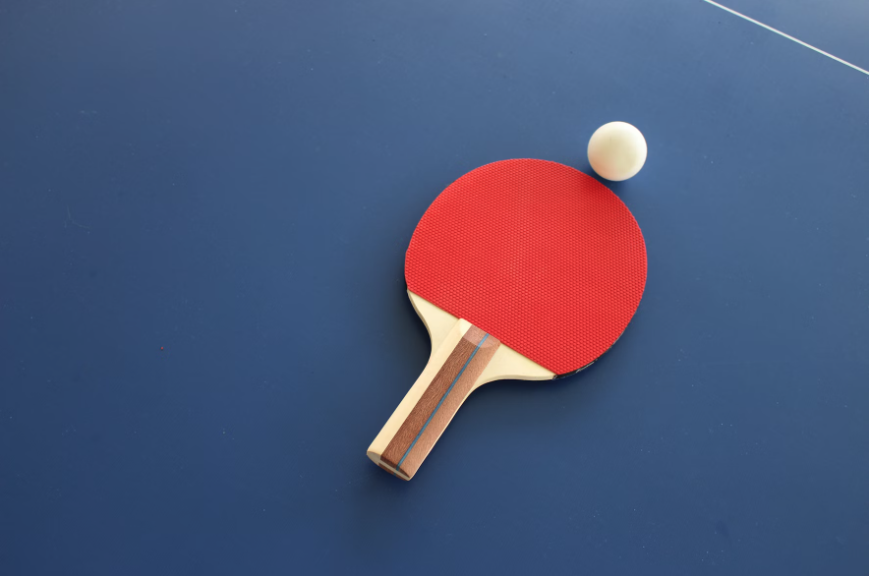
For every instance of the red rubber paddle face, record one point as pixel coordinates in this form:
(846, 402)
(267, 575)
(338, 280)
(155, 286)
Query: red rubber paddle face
(538, 254)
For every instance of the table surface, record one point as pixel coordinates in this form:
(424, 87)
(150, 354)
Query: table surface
(205, 210)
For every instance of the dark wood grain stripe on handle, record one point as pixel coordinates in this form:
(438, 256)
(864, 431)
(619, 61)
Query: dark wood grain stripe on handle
(383, 467)
(428, 419)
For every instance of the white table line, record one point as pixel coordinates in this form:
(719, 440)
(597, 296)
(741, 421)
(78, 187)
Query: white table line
(785, 35)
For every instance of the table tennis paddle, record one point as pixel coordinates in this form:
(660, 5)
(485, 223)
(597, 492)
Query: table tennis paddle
(521, 269)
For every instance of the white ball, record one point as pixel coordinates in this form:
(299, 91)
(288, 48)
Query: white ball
(617, 151)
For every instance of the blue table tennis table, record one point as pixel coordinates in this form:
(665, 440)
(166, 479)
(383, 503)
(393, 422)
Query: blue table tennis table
(204, 211)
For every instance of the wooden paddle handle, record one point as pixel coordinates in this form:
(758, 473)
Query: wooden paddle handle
(424, 413)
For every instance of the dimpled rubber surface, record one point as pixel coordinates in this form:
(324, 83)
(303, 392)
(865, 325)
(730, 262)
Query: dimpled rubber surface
(540, 255)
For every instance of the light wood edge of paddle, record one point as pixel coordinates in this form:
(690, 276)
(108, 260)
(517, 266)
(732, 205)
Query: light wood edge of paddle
(445, 332)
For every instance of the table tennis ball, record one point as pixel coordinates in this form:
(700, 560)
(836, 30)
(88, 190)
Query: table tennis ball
(617, 151)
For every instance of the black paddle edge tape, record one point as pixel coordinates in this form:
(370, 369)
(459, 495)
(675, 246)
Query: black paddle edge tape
(582, 368)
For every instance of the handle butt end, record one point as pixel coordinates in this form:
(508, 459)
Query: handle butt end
(387, 467)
